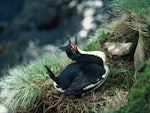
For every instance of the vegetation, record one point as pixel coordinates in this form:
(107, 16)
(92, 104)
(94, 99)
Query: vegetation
(29, 89)
(99, 36)
(24, 84)
(134, 17)
(135, 14)
(134, 6)
(139, 98)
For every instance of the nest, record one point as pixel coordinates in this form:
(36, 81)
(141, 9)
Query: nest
(51, 101)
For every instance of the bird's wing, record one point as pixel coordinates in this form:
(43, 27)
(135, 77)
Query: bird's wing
(82, 84)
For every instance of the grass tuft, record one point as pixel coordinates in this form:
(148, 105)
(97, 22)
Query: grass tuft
(24, 84)
(135, 12)
(135, 6)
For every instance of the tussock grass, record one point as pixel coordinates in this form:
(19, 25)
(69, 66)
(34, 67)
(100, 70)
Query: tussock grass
(135, 14)
(24, 84)
(120, 31)
(135, 6)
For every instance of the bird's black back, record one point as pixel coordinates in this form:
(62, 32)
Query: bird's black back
(67, 74)
(83, 73)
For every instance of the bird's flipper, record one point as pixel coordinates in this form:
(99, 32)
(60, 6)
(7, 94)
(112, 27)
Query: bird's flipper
(81, 86)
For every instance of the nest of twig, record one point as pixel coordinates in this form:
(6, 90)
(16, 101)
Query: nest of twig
(51, 101)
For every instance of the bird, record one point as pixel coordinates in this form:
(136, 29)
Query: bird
(86, 73)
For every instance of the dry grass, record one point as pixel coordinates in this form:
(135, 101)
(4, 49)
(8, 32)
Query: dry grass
(52, 101)
(136, 13)
(120, 31)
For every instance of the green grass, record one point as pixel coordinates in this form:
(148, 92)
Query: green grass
(135, 6)
(24, 84)
(121, 74)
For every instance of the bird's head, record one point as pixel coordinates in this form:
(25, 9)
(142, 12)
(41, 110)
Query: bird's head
(71, 49)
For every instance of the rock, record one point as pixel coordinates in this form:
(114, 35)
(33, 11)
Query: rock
(119, 49)
(139, 56)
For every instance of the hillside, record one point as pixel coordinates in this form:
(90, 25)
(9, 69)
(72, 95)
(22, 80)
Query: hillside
(28, 89)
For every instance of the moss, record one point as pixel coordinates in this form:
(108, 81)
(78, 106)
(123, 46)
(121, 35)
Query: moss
(139, 97)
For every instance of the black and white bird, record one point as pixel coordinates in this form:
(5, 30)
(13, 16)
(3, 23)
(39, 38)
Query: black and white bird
(88, 71)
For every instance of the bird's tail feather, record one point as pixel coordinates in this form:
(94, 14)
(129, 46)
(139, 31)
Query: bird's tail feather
(51, 74)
